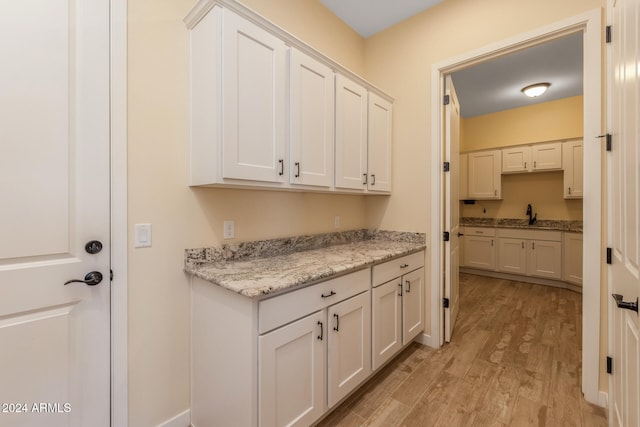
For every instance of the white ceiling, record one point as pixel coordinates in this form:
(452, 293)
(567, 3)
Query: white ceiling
(369, 17)
(492, 85)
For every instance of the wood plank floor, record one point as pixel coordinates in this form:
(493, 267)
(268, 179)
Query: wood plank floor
(514, 360)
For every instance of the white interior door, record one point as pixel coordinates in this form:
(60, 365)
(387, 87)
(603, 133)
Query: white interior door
(54, 198)
(624, 214)
(452, 206)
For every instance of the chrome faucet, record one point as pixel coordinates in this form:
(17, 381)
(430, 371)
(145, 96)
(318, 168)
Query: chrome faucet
(533, 219)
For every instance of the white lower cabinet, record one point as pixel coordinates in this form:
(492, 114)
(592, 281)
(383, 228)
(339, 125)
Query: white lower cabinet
(530, 252)
(397, 306)
(573, 258)
(292, 370)
(480, 248)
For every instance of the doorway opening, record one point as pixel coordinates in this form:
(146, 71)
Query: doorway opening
(589, 24)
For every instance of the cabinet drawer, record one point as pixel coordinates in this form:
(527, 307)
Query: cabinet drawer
(480, 231)
(288, 307)
(514, 233)
(389, 270)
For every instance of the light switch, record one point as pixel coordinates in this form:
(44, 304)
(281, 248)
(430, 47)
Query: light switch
(142, 236)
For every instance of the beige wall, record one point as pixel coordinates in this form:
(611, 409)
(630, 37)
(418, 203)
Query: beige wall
(184, 217)
(549, 121)
(400, 60)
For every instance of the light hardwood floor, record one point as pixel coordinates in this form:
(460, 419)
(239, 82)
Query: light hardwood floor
(514, 360)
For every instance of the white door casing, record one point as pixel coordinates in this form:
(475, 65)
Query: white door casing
(590, 24)
(54, 184)
(624, 214)
(452, 214)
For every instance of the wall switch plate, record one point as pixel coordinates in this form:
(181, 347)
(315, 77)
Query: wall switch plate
(142, 236)
(229, 229)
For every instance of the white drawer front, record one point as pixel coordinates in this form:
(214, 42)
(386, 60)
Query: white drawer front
(293, 305)
(480, 231)
(389, 270)
(517, 233)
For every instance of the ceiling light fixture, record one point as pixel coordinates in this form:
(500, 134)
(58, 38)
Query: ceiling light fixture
(535, 90)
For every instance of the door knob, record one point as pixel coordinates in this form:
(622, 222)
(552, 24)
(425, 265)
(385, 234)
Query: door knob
(91, 279)
(629, 305)
(93, 247)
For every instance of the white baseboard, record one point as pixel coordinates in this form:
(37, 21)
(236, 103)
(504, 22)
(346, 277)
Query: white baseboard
(183, 419)
(603, 399)
(427, 340)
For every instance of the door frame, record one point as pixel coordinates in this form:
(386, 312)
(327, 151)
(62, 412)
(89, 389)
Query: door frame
(591, 23)
(119, 252)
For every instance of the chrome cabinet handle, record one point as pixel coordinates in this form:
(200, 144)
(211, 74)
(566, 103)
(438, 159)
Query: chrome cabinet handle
(366, 180)
(91, 279)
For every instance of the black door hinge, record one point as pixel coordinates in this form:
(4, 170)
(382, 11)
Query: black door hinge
(446, 100)
(608, 34)
(609, 139)
(446, 166)
(445, 302)
(609, 256)
(609, 365)
(445, 236)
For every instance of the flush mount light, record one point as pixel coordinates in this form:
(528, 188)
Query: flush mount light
(535, 90)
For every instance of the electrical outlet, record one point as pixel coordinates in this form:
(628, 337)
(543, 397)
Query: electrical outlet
(337, 221)
(229, 229)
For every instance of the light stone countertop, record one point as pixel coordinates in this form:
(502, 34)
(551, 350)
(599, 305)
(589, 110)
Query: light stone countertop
(259, 276)
(541, 224)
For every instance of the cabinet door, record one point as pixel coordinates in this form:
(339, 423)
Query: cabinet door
(512, 256)
(349, 351)
(517, 159)
(292, 373)
(412, 305)
(484, 175)
(547, 156)
(312, 121)
(351, 135)
(379, 147)
(573, 258)
(479, 252)
(254, 95)
(386, 302)
(545, 259)
(463, 191)
(572, 161)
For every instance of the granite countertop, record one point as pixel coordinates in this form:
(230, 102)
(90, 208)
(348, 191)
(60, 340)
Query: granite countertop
(258, 269)
(541, 224)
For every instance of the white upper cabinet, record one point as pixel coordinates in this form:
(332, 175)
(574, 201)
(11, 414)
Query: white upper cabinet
(546, 156)
(351, 134)
(268, 111)
(572, 159)
(379, 157)
(312, 121)
(532, 158)
(484, 175)
(254, 78)
(517, 159)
